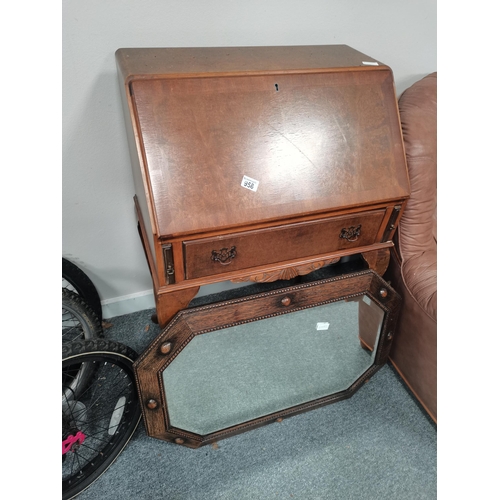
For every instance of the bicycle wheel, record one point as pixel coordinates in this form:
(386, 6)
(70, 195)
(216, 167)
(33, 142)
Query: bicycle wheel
(75, 280)
(78, 320)
(99, 419)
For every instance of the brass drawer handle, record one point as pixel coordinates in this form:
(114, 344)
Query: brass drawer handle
(224, 256)
(351, 233)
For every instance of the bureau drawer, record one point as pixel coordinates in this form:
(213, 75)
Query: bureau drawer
(209, 256)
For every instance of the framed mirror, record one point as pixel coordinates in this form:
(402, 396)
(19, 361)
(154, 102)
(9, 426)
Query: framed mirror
(227, 367)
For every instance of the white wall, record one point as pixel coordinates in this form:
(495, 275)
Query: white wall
(98, 221)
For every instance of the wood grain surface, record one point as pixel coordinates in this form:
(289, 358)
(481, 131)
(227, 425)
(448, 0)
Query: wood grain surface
(314, 130)
(322, 140)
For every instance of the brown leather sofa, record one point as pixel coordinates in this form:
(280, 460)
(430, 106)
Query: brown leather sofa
(413, 267)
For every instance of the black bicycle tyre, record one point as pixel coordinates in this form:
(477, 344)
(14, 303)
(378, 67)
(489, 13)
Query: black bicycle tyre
(82, 285)
(80, 317)
(103, 351)
(79, 322)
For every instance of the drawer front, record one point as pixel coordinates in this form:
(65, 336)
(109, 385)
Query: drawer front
(209, 256)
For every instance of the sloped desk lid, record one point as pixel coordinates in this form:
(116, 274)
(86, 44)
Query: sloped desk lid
(315, 127)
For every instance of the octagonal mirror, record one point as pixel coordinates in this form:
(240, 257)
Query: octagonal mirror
(223, 368)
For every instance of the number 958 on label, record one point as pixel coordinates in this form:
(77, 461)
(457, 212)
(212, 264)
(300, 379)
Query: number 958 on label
(249, 183)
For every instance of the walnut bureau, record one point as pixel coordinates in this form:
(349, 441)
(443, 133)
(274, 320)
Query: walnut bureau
(260, 163)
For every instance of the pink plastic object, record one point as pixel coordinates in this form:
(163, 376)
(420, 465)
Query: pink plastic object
(79, 438)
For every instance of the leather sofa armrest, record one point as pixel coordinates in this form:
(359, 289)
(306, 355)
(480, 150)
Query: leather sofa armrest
(419, 273)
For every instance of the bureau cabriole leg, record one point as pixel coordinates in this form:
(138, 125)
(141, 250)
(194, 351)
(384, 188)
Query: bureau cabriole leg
(168, 304)
(378, 260)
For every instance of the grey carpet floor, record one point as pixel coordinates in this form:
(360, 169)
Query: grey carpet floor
(379, 444)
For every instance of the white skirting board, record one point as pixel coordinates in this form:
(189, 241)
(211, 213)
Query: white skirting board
(127, 304)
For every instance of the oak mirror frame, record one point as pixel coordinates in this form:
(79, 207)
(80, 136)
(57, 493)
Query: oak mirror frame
(224, 368)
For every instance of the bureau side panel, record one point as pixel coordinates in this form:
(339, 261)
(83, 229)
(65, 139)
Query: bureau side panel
(140, 180)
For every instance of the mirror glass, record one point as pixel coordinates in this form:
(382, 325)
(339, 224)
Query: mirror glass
(232, 375)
